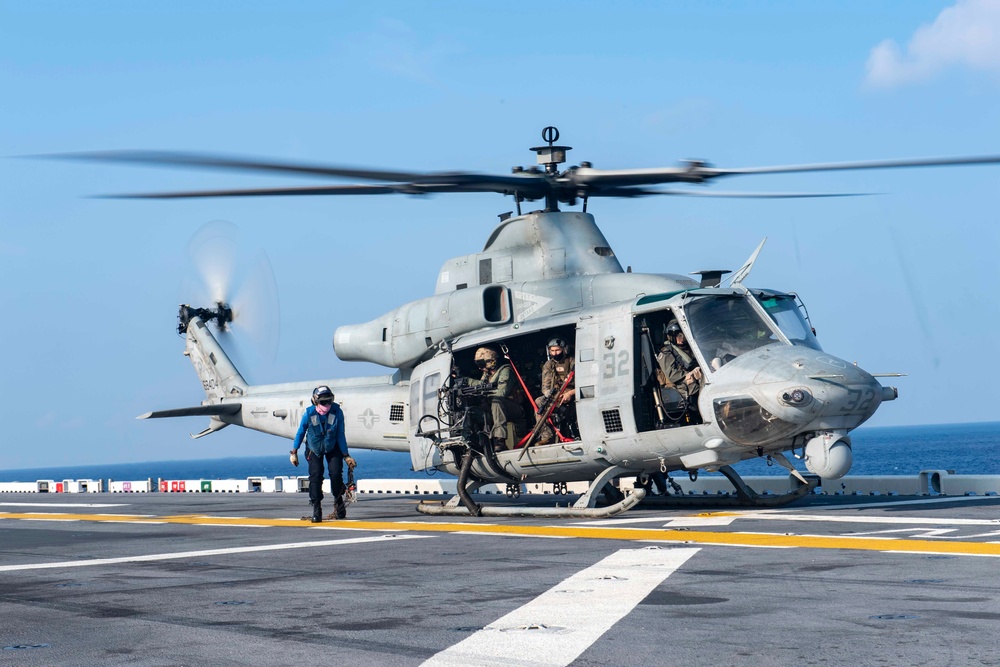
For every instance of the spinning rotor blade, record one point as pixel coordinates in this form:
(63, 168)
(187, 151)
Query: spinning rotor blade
(229, 163)
(525, 184)
(400, 182)
(212, 253)
(526, 187)
(641, 192)
(697, 171)
(871, 164)
(256, 307)
(220, 274)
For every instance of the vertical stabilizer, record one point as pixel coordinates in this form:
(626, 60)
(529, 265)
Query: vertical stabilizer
(219, 377)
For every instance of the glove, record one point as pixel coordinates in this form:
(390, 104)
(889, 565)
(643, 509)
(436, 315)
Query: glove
(294, 457)
(351, 463)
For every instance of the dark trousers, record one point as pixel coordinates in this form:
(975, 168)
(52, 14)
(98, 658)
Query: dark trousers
(335, 466)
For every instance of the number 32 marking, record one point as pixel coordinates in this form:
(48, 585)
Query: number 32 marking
(615, 364)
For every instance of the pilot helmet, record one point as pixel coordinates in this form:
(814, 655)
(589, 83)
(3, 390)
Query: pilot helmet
(322, 395)
(486, 357)
(672, 330)
(561, 344)
(557, 342)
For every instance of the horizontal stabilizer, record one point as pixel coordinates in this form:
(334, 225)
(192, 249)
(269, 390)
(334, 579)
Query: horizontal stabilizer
(199, 411)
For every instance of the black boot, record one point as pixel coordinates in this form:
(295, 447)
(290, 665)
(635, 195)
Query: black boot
(339, 509)
(317, 516)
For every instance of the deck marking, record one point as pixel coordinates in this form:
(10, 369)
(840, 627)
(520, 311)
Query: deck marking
(207, 552)
(569, 617)
(837, 518)
(622, 522)
(579, 531)
(688, 521)
(924, 501)
(64, 504)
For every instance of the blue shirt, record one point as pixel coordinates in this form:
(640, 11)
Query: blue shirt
(324, 434)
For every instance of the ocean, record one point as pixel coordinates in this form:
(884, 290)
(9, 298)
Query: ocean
(969, 449)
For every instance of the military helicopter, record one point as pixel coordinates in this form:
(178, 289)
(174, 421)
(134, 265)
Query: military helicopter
(768, 388)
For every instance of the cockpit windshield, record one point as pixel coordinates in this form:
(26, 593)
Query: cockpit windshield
(724, 327)
(784, 310)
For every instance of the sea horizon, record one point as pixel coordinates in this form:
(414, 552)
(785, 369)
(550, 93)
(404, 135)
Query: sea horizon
(878, 450)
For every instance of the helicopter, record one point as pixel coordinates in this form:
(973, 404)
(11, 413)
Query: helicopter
(768, 388)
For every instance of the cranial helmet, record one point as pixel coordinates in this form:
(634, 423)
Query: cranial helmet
(557, 342)
(485, 355)
(322, 393)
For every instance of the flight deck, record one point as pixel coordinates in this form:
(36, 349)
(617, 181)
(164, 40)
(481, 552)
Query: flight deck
(227, 579)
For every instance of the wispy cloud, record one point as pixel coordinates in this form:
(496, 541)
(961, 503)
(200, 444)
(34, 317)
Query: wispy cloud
(965, 35)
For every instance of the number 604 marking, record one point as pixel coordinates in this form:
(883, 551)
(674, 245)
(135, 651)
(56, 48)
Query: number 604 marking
(616, 364)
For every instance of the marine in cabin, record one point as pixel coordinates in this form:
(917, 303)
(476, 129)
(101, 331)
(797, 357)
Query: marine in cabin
(503, 402)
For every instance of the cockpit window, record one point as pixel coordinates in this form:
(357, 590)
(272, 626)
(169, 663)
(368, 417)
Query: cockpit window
(725, 327)
(785, 311)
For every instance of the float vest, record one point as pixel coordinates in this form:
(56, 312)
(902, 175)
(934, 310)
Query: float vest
(321, 433)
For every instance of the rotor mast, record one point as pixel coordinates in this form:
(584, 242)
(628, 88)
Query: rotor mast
(550, 156)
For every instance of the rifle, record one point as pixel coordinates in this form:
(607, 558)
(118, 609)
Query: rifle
(538, 408)
(528, 439)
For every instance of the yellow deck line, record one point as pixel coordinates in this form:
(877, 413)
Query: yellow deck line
(578, 531)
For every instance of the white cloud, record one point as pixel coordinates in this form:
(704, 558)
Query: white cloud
(966, 35)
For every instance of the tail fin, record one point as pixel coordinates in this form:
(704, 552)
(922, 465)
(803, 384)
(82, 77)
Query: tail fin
(219, 377)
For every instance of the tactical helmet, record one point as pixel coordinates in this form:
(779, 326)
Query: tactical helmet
(485, 355)
(673, 329)
(557, 342)
(322, 393)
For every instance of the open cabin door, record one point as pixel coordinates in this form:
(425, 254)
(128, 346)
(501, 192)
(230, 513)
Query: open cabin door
(425, 381)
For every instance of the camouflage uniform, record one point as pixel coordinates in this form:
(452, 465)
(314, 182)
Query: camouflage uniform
(503, 404)
(676, 362)
(554, 374)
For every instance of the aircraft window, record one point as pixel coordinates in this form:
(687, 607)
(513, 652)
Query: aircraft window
(785, 312)
(415, 412)
(726, 327)
(746, 422)
(431, 384)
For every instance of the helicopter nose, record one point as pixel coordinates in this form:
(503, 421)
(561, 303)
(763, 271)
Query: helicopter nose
(826, 392)
(792, 390)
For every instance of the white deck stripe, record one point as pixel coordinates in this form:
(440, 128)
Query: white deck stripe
(207, 552)
(848, 518)
(570, 616)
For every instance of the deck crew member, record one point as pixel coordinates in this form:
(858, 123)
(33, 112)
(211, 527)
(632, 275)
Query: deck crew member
(322, 427)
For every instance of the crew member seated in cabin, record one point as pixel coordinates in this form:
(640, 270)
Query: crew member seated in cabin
(503, 403)
(555, 370)
(682, 377)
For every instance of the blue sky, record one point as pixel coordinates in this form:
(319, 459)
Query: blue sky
(906, 281)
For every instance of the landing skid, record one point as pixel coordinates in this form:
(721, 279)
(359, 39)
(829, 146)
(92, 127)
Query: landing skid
(745, 496)
(584, 507)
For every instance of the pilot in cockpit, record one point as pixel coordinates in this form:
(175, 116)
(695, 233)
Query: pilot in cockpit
(681, 374)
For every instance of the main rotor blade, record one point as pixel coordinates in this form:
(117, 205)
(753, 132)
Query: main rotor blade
(227, 163)
(527, 188)
(847, 166)
(645, 192)
(264, 192)
(698, 172)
